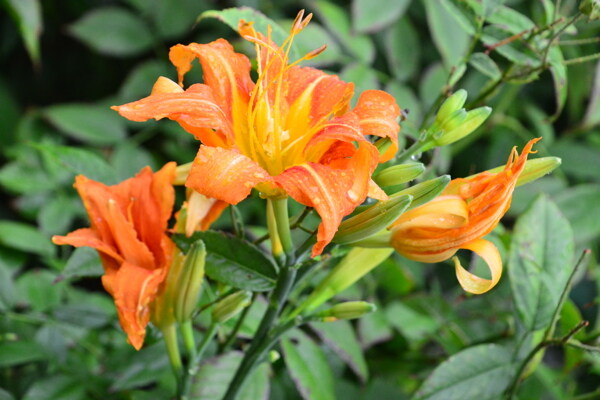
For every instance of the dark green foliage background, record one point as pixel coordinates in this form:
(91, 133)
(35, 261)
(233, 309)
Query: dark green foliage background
(59, 335)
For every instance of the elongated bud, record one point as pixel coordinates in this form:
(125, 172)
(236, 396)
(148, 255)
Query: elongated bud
(534, 169)
(181, 173)
(459, 126)
(163, 314)
(452, 104)
(356, 264)
(190, 282)
(424, 191)
(372, 220)
(231, 305)
(347, 310)
(398, 174)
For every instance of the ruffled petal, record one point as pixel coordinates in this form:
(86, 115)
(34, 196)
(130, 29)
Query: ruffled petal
(324, 188)
(224, 174)
(134, 288)
(489, 253)
(88, 238)
(378, 114)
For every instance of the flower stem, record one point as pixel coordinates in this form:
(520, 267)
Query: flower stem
(187, 331)
(193, 364)
(170, 336)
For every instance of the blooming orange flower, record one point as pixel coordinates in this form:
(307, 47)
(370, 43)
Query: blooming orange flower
(290, 133)
(128, 228)
(467, 210)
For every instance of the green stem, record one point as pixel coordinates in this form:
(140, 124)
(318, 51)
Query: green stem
(170, 337)
(582, 59)
(194, 362)
(187, 331)
(282, 219)
(595, 395)
(412, 150)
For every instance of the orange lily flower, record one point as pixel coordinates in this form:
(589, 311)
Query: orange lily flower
(290, 133)
(467, 210)
(128, 229)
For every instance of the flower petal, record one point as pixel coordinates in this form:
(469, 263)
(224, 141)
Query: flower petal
(87, 237)
(202, 211)
(134, 288)
(378, 113)
(472, 283)
(324, 188)
(224, 174)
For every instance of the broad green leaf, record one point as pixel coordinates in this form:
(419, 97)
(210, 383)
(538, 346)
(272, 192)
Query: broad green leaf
(402, 49)
(516, 51)
(56, 215)
(140, 80)
(369, 16)
(414, 325)
(233, 261)
(91, 124)
(4, 395)
(433, 80)
(363, 77)
(40, 290)
(84, 262)
(336, 20)
(233, 16)
(84, 315)
(113, 31)
(462, 14)
(339, 336)
(540, 262)
(128, 159)
(174, 18)
(7, 287)
(592, 113)
(559, 76)
(80, 161)
(142, 367)
(484, 64)
(307, 365)
(481, 372)
(27, 14)
(213, 377)
(579, 160)
(20, 236)
(57, 388)
(311, 37)
(450, 40)
(511, 20)
(407, 100)
(581, 206)
(374, 328)
(20, 352)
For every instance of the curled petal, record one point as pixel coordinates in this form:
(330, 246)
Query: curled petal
(378, 113)
(87, 237)
(472, 283)
(224, 174)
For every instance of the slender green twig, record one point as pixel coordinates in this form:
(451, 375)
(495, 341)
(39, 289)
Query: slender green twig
(215, 301)
(194, 362)
(236, 328)
(582, 59)
(595, 395)
(577, 42)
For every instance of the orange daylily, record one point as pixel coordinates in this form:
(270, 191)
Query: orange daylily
(290, 133)
(467, 210)
(128, 229)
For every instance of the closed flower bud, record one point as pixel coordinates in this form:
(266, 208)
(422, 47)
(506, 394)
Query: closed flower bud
(534, 169)
(231, 306)
(424, 191)
(452, 104)
(398, 174)
(347, 310)
(458, 126)
(189, 283)
(372, 220)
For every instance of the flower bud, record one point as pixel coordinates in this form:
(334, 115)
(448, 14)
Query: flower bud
(189, 284)
(459, 126)
(398, 174)
(347, 310)
(591, 8)
(372, 220)
(274, 356)
(534, 169)
(231, 306)
(452, 104)
(424, 191)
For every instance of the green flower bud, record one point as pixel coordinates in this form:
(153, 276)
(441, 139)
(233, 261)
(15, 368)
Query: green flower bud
(534, 169)
(372, 220)
(231, 305)
(274, 356)
(398, 174)
(189, 284)
(424, 191)
(347, 310)
(591, 8)
(452, 104)
(458, 126)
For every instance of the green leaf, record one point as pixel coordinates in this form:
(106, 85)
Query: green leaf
(140, 80)
(580, 205)
(592, 113)
(80, 161)
(233, 16)
(511, 20)
(579, 160)
(7, 287)
(484, 64)
(233, 261)
(141, 368)
(463, 14)
(481, 372)
(21, 352)
(128, 159)
(370, 16)
(559, 76)
(84, 262)
(516, 51)
(363, 77)
(56, 388)
(27, 14)
(407, 100)
(40, 290)
(91, 124)
(20, 236)
(311, 37)
(56, 215)
(308, 367)
(540, 262)
(374, 328)
(340, 337)
(402, 49)
(4, 395)
(413, 325)
(433, 80)
(336, 20)
(174, 18)
(450, 40)
(113, 31)
(215, 373)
